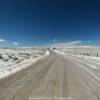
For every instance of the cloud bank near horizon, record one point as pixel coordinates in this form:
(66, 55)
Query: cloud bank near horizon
(72, 43)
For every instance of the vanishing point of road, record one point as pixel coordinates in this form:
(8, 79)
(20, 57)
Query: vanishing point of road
(52, 78)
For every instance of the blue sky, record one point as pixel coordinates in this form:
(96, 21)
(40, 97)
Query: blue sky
(41, 22)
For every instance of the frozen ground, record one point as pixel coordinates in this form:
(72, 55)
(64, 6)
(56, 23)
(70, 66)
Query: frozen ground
(90, 62)
(12, 60)
(81, 50)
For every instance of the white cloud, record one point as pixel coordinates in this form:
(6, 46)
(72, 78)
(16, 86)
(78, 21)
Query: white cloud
(15, 43)
(71, 43)
(2, 40)
(54, 40)
(89, 41)
(74, 42)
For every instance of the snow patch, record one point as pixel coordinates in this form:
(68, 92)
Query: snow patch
(77, 59)
(12, 61)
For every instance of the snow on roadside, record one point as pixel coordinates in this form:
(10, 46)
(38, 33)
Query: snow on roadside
(89, 61)
(6, 68)
(83, 61)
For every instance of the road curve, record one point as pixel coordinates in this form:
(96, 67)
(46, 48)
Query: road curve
(53, 78)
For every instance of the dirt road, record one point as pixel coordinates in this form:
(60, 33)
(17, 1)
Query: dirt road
(52, 78)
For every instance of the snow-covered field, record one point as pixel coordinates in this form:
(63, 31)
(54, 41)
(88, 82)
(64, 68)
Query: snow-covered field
(12, 60)
(88, 53)
(89, 56)
(81, 50)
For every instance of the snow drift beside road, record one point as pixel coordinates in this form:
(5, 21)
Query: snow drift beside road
(12, 61)
(90, 63)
